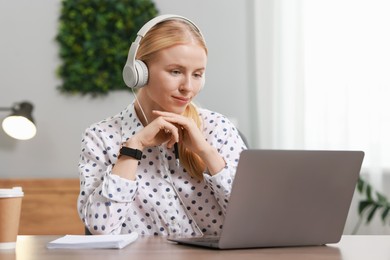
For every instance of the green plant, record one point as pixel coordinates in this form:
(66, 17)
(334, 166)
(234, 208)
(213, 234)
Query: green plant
(372, 202)
(94, 38)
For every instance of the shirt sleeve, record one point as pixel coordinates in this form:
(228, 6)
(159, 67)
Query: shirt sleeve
(104, 198)
(226, 138)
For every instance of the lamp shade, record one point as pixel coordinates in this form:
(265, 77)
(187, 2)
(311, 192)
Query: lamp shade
(20, 124)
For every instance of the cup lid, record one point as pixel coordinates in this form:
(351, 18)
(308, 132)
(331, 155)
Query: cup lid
(9, 193)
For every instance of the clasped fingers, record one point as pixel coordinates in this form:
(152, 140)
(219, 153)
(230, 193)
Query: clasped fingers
(160, 131)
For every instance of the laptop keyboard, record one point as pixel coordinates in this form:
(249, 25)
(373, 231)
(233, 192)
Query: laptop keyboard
(209, 239)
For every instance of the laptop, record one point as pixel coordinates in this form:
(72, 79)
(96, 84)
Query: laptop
(283, 198)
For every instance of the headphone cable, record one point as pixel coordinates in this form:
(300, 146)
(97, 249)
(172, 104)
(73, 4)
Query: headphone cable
(139, 104)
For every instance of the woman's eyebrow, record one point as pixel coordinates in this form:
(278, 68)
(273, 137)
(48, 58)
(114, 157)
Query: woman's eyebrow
(175, 65)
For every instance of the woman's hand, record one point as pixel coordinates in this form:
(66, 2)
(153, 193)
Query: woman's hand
(156, 133)
(189, 134)
(192, 138)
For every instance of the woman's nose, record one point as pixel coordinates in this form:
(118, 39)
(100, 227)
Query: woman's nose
(187, 84)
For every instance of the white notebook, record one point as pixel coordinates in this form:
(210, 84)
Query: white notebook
(93, 241)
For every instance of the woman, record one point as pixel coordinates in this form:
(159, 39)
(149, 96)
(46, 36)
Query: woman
(162, 166)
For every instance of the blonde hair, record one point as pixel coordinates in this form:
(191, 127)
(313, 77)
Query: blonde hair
(191, 161)
(167, 34)
(164, 35)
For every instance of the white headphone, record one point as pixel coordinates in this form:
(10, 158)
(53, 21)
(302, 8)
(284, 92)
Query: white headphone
(135, 72)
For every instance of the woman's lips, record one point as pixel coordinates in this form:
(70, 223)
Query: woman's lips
(182, 100)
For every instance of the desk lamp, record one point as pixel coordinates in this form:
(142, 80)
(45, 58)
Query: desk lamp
(19, 124)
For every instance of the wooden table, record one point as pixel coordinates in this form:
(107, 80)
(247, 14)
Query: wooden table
(349, 248)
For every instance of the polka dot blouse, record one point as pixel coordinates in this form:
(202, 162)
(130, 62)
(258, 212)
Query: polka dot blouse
(163, 199)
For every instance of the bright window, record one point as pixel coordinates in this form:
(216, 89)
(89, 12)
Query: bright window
(346, 70)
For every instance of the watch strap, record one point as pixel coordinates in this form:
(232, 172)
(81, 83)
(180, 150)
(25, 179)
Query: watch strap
(134, 153)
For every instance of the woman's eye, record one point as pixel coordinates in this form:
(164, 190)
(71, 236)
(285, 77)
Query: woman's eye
(175, 72)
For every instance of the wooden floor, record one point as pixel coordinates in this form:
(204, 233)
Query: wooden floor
(49, 206)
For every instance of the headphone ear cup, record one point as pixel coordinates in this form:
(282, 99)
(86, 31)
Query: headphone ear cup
(129, 75)
(142, 73)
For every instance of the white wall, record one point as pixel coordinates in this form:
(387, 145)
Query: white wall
(29, 59)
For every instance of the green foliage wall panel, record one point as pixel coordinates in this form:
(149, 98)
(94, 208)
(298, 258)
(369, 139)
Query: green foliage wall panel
(94, 38)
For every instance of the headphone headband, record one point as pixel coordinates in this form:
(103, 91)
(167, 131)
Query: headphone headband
(149, 25)
(135, 72)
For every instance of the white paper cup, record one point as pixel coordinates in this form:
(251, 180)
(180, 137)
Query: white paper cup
(10, 208)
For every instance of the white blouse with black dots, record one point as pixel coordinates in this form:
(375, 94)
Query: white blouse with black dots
(163, 199)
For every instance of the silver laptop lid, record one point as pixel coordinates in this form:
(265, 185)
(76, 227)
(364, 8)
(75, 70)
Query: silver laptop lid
(290, 198)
